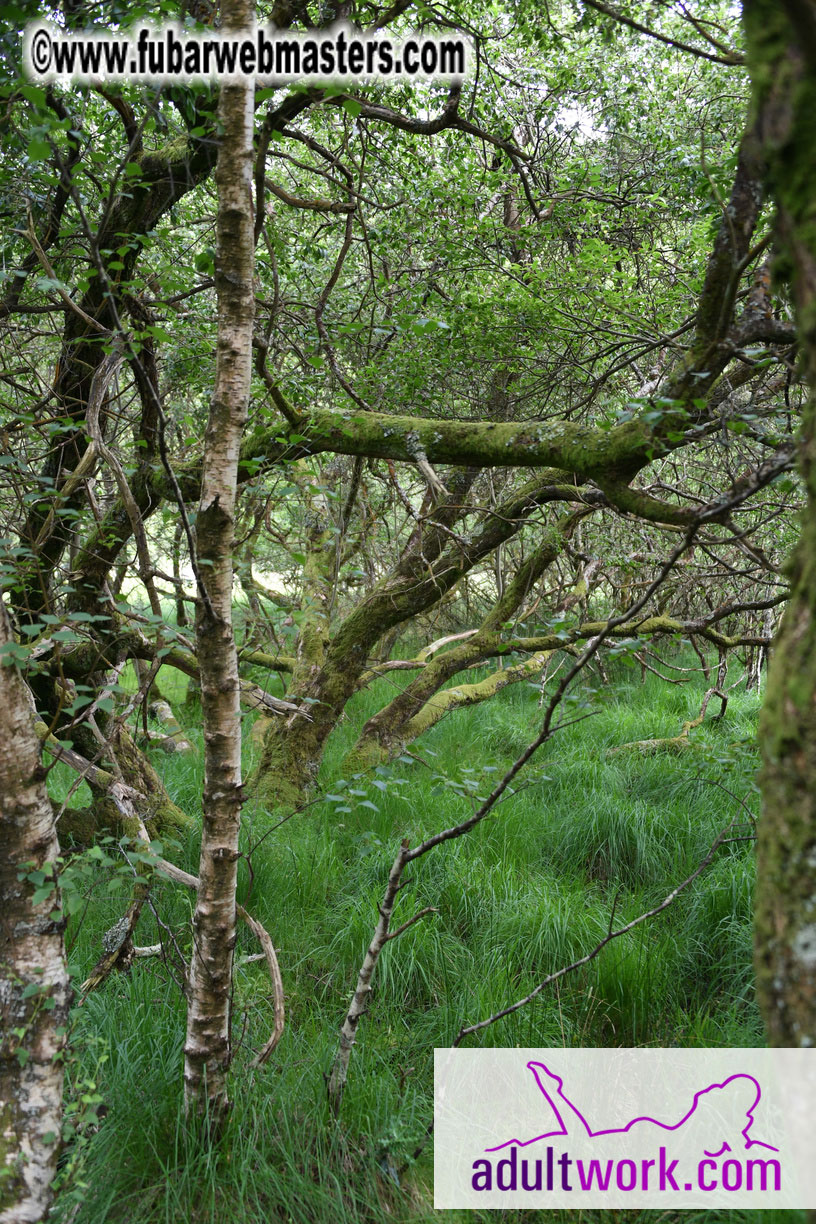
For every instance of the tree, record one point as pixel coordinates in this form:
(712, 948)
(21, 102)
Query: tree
(783, 72)
(208, 1040)
(483, 416)
(34, 992)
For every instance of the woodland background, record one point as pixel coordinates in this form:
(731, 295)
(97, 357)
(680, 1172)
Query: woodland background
(402, 487)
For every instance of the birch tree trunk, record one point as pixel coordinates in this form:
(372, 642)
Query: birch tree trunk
(207, 1047)
(34, 992)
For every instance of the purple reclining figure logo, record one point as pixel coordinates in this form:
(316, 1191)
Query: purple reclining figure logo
(742, 1090)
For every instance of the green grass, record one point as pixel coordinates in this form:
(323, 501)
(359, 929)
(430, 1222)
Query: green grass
(528, 891)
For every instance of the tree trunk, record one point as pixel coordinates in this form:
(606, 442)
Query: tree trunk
(784, 81)
(163, 817)
(207, 1047)
(420, 705)
(34, 991)
(429, 567)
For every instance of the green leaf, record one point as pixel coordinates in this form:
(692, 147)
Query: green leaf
(38, 149)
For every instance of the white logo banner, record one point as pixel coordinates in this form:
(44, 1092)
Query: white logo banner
(624, 1128)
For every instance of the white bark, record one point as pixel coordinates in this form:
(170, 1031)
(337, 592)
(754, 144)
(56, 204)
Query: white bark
(34, 991)
(207, 1047)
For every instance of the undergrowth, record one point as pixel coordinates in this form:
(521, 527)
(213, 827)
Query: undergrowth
(530, 890)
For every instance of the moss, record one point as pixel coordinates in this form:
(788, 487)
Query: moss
(385, 735)
(161, 815)
(78, 826)
(786, 894)
(567, 446)
(636, 501)
(11, 1181)
(288, 767)
(470, 694)
(82, 826)
(784, 93)
(366, 754)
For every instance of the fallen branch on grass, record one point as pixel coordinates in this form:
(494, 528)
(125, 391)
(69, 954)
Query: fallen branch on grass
(721, 839)
(675, 743)
(339, 1073)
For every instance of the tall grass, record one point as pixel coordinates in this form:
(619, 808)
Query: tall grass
(531, 889)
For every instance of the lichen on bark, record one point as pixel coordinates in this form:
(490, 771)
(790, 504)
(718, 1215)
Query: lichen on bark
(34, 990)
(784, 92)
(207, 1044)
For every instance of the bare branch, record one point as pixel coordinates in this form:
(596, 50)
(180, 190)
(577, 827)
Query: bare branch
(721, 839)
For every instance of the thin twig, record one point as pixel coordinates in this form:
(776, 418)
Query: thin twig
(721, 839)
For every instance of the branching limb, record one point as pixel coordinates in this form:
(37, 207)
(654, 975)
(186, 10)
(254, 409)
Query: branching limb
(731, 58)
(127, 797)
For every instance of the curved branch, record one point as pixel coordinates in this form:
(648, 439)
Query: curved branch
(730, 58)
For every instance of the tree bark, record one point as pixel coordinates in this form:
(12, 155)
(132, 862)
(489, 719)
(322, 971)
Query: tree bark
(34, 991)
(429, 567)
(207, 1047)
(420, 705)
(784, 85)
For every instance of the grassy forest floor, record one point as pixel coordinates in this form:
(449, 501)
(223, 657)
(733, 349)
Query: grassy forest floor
(528, 891)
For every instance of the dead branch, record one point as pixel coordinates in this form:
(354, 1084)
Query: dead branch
(121, 933)
(721, 839)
